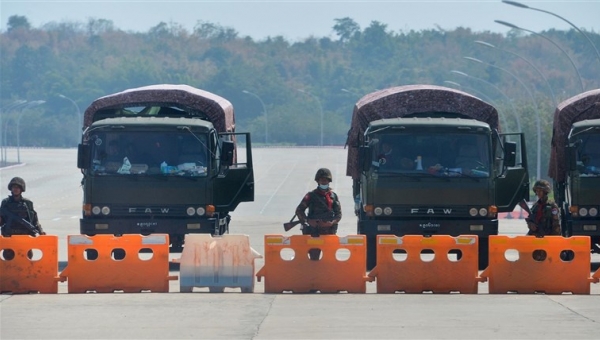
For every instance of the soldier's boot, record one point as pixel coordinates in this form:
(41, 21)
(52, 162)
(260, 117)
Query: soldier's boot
(314, 254)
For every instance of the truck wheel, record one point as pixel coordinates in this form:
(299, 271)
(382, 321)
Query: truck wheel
(566, 230)
(484, 254)
(371, 252)
(176, 243)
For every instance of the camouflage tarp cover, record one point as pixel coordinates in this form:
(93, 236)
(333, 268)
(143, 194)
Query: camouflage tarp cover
(580, 107)
(407, 100)
(219, 110)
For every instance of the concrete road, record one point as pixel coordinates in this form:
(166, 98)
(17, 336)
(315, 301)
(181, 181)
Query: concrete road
(283, 176)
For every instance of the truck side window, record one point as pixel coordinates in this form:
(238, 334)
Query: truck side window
(590, 156)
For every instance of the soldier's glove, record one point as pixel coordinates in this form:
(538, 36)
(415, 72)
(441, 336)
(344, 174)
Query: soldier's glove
(532, 226)
(305, 226)
(326, 224)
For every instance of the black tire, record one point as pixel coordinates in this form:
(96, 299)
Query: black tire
(371, 252)
(176, 243)
(484, 252)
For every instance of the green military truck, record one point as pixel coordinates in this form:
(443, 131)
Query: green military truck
(162, 159)
(575, 165)
(430, 160)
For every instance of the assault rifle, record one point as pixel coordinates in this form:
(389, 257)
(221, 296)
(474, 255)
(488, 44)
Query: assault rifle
(291, 224)
(530, 219)
(313, 222)
(12, 217)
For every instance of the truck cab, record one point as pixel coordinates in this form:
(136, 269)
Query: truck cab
(435, 170)
(161, 166)
(574, 161)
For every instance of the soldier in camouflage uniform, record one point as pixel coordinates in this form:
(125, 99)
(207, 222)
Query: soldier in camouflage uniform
(16, 208)
(545, 216)
(14, 211)
(324, 208)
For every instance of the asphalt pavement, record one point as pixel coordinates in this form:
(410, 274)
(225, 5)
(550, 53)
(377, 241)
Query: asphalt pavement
(282, 177)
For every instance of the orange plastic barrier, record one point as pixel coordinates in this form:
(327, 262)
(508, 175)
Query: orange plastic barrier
(340, 267)
(400, 267)
(217, 262)
(139, 263)
(22, 274)
(548, 273)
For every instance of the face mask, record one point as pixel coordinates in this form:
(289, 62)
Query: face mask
(323, 186)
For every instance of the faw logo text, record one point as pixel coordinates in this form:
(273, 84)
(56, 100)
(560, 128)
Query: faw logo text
(149, 210)
(431, 211)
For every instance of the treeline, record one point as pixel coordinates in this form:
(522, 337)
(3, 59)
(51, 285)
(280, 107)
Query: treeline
(291, 86)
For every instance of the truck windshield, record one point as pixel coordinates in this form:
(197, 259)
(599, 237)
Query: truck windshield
(179, 153)
(588, 155)
(442, 154)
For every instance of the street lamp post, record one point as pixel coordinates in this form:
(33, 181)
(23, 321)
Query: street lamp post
(27, 106)
(351, 92)
(264, 112)
(550, 40)
(527, 61)
(2, 143)
(320, 108)
(537, 110)
(480, 93)
(517, 119)
(79, 118)
(518, 4)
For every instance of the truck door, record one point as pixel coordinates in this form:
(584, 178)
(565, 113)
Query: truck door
(512, 181)
(235, 182)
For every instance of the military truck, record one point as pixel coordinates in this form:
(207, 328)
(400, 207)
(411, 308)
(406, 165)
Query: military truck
(575, 165)
(162, 159)
(430, 160)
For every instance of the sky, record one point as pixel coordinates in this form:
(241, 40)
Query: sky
(297, 20)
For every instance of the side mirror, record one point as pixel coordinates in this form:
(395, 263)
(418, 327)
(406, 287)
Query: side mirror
(83, 156)
(571, 155)
(510, 154)
(364, 155)
(227, 150)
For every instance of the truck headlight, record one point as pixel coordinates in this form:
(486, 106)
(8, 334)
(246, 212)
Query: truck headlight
(593, 212)
(96, 210)
(483, 212)
(378, 211)
(190, 211)
(200, 211)
(105, 210)
(583, 212)
(473, 212)
(387, 211)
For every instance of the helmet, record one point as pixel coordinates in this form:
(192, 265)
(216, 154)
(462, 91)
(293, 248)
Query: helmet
(17, 181)
(323, 172)
(542, 184)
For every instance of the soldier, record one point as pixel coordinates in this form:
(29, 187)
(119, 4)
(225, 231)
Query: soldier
(17, 216)
(545, 216)
(324, 210)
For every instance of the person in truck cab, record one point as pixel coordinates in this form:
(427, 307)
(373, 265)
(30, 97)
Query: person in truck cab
(591, 156)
